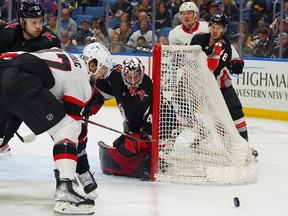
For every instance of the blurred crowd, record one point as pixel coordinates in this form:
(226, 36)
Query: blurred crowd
(262, 32)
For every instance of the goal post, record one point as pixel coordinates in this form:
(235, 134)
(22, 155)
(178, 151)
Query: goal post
(196, 140)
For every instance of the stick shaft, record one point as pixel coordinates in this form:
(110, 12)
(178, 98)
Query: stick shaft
(116, 131)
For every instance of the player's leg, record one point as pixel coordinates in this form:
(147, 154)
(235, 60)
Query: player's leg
(84, 174)
(235, 108)
(27, 98)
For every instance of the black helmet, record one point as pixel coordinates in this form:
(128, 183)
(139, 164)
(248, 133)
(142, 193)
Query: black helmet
(219, 18)
(30, 9)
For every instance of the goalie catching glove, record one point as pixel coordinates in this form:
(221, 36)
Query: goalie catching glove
(237, 65)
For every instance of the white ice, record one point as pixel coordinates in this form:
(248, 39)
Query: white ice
(27, 183)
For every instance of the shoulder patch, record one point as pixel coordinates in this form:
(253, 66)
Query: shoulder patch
(11, 25)
(118, 68)
(48, 35)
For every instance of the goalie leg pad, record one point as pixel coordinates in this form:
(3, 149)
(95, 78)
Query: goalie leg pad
(114, 163)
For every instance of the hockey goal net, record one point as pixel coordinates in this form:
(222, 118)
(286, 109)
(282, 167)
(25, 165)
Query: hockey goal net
(195, 138)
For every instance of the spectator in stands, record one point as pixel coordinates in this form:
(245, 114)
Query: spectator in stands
(5, 11)
(277, 32)
(230, 9)
(114, 47)
(213, 9)
(84, 32)
(94, 23)
(135, 17)
(247, 49)
(176, 20)
(284, 43)
(175, 5)
(285, 17)
(163, 40)
(68, 24)
(124, 31)
(119, 7)
(262, 46)
(136, 25)
(50, 6)
(52, 24)
(145, 32)
(163, 18)
(145, 6)
(261, 23)
(141, 41)
(205, 7)
(66, 43)
(123, 18)
(258, 10)
(98, 34)
(89, 40)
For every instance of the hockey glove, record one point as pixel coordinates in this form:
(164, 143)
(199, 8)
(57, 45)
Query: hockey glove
(237, 65)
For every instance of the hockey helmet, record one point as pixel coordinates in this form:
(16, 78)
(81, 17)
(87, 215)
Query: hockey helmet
(220, 19)
(100, 55)
(132, 74)
(30, 9)
(189, 6)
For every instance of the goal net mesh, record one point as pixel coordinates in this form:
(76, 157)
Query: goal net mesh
(197, 139)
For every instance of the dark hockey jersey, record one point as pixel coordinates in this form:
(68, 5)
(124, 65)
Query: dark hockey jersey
(134, 109)
(11, 39)
(222, 72)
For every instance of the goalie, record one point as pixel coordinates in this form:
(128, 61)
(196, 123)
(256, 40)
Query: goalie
(133, 90)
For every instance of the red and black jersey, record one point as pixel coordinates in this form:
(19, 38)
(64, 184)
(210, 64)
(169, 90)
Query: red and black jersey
(134, 109)
(222, 72)
(11, 39)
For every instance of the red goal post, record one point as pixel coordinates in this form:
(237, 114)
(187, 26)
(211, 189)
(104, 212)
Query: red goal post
(195, 138)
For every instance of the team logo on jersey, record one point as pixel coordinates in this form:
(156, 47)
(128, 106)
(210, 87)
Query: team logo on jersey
(142, 94)
(48, 35)
(11, 25)
(118, 68)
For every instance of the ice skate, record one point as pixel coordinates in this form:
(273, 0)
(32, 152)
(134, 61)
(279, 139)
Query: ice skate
(87, 181)
(68, 202)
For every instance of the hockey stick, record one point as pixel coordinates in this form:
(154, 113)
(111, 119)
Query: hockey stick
(26, 139)
(104, 31)
(114, 130)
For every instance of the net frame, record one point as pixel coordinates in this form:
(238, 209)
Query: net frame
(238, 167)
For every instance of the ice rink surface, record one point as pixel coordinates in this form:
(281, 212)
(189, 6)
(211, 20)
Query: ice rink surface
(27, 183)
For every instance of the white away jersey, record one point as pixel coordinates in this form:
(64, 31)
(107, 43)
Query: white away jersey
(70, 74)
(181, 36)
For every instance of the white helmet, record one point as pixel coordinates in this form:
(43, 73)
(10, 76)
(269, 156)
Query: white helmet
(189, 6)
(100, 54)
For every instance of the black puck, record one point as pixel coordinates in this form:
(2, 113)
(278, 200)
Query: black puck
(236, 201)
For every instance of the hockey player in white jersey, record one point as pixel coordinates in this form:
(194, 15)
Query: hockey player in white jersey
(182, 34)
(48, 90)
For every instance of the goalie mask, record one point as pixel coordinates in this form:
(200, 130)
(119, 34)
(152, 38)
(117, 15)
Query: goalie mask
(132, 74)
(99, 55)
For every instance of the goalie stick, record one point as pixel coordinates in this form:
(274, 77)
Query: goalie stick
(26, 139)
(114, 130)
(104, 31)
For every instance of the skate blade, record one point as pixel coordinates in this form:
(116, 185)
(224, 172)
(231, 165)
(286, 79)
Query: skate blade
(67, 208)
